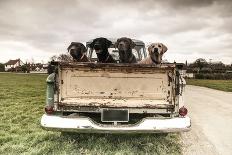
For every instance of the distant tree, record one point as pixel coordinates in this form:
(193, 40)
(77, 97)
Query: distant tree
(61, 57)
(26, 67)
(64, 57)
(54, 58)
(51, 68)
(206, 70)
(200, 63)
(228, 67)
(218, 67)
(32, 61)
(2, 67)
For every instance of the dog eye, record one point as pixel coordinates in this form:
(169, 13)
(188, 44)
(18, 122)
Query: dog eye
(159, 46)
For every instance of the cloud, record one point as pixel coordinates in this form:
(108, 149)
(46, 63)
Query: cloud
(190, 28)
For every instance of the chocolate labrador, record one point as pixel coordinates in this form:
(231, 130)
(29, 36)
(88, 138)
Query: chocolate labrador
(78, 51)
(125, 46)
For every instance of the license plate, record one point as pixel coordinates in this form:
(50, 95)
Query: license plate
(114, 115)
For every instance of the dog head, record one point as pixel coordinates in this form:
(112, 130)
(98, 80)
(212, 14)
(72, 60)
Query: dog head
(100, 45)
(77, 50)
(125, 46)
(156, 51)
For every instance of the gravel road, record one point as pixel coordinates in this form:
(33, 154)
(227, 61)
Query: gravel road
(211, 114)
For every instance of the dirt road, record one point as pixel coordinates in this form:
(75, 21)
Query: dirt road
(211, 114)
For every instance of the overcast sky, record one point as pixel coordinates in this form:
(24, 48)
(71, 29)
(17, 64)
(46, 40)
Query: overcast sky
(38, 29)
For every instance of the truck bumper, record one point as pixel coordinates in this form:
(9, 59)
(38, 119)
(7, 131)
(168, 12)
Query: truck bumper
(85, 124)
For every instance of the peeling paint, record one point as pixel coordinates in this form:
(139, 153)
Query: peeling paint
(116, 85)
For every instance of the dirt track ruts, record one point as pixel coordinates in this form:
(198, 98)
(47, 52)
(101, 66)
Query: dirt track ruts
(211, 114)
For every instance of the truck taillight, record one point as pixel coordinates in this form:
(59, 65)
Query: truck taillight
(183, 111)
(49, 109)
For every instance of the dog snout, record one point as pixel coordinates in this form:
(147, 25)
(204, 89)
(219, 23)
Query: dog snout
(72, 51)
(155, 49)
(97, 47)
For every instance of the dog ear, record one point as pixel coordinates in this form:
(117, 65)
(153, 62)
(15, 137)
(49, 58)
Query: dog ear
(83, 48)
(70, 46)
(116, 43)
(164, 48)
(92, 44)
(132, 44)
(108, 43)
(149, 49)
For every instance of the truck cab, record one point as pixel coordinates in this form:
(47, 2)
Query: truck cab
(139, 50)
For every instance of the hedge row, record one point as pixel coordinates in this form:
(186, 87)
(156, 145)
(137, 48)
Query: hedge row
(214, 76)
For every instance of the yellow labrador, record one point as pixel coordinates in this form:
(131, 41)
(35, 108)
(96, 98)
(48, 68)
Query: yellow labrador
(156, 51)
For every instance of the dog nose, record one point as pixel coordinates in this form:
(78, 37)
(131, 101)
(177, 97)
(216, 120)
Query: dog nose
(97, 47)
(72, 51)
(155, 49)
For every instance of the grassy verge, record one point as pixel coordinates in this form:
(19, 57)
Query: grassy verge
(224, 85)
(22, 99)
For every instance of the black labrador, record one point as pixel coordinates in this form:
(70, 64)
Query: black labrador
(101, 45)
(125, 46)
(78, 51)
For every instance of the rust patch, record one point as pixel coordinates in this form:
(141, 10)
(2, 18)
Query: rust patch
(91, 104)
(94, 106)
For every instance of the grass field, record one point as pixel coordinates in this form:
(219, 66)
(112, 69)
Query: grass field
(22, 98)
(224, 85)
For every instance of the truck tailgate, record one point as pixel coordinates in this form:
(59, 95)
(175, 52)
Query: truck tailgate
(115, 86)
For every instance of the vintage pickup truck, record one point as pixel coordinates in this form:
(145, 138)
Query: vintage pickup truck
(115, 98)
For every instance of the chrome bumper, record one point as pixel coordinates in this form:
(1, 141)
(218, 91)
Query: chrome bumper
(85, 124)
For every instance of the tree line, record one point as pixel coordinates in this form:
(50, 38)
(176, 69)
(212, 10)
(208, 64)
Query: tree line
(210, 70)
(202, 66)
